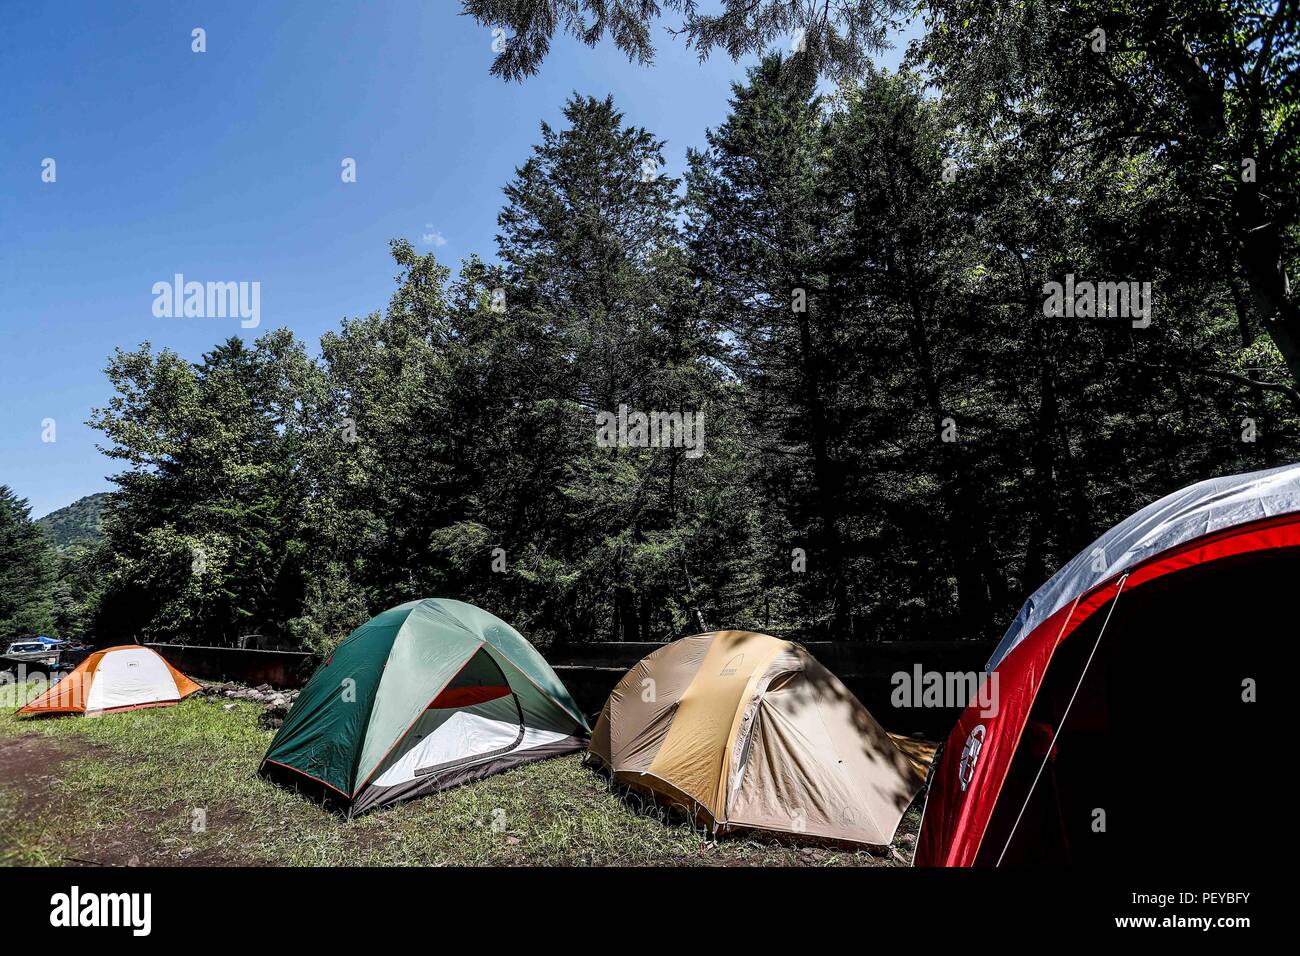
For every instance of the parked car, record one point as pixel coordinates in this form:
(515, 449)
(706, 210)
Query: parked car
(31, 652)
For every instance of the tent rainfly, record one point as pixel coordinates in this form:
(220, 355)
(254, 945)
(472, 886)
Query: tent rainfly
(126, 677)
(424, 696)
(1107, 684)
(742, 730)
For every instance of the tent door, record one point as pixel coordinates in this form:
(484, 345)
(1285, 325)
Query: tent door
(1171, 778)
(475, 718)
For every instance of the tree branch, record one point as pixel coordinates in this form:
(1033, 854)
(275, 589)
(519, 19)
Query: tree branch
(1289, 390)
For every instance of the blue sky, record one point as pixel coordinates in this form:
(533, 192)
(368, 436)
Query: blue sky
(225, 166)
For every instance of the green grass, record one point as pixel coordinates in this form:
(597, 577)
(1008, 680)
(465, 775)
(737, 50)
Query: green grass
(127, 788)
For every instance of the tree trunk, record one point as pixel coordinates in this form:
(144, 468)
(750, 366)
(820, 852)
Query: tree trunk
(825, 475)
(1262, 263)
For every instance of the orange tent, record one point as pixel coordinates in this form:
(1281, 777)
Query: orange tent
(117, 678)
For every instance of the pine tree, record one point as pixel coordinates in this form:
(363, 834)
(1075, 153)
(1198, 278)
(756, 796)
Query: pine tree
(26, 571)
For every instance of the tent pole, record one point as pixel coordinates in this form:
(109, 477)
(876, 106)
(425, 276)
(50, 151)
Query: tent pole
(1061, 724)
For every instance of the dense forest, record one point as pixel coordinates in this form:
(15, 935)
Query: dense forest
(937, 329)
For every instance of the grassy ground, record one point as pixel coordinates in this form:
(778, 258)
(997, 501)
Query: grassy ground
(177, 786)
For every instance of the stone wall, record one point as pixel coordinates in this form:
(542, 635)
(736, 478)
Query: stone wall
(281, 669)
(590, 671)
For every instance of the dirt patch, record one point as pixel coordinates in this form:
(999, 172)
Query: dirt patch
(31, 767)
(143, 842)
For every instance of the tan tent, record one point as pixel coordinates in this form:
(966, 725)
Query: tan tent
(744, 730)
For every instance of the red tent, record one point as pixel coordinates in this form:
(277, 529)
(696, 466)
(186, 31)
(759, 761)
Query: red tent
(1124, 689)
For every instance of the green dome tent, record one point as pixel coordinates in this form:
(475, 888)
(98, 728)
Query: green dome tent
(424, 696)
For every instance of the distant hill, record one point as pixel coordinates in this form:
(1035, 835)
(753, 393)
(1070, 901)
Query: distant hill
(78, 523)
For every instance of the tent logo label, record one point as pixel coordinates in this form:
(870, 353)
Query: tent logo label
(732, 666)
(75, 909)
(970, 754)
